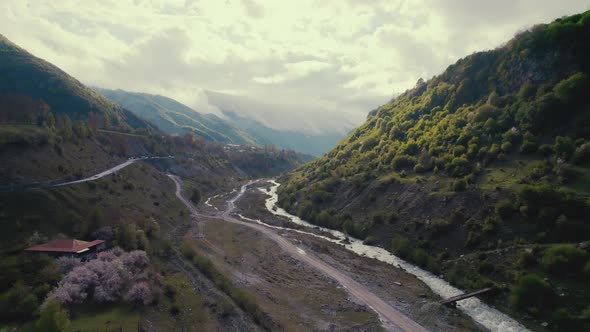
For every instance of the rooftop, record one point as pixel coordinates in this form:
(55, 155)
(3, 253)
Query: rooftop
(66, 245)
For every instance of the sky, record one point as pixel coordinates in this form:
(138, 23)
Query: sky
(325, 63)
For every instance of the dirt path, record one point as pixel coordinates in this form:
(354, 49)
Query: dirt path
(391, 318)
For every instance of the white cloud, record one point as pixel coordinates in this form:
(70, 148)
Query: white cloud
(331, 60)
(294, 71)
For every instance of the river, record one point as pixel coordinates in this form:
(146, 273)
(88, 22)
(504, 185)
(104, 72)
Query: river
(485, 315)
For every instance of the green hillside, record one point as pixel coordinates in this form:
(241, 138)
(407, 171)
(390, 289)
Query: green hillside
(481, 174)
(175, 118)
(22, 74)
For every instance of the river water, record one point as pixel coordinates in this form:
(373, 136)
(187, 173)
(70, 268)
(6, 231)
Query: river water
(485, 315)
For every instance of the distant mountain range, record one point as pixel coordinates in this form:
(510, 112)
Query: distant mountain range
(175, 118)
(237, 127)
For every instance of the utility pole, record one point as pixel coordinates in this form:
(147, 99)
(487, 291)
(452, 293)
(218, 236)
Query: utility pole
(200, 234)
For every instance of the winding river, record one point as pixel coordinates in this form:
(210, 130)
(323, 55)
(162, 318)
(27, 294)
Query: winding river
(485, 315)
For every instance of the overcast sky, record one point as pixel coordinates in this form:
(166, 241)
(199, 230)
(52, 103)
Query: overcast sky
(334, 59)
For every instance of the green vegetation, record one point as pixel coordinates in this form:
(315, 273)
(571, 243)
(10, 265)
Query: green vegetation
(563, 259)
(533, 294)
(52, 319)
(490, 155)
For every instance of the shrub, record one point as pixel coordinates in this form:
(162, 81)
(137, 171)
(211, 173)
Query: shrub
(53, 318)
(505, 209)
(420, 257)
(459, 185)
(196, 196)
(564, 320)
(532, 294)
(526, 259)
(403, 162)
(506, 147)
(187, 250)
(459, 166)
(545, 149)
(563, 259)
(528, 147)
(582, 154)
(401, 246)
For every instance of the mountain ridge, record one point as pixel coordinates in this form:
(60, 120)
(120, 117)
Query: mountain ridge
(22, 73)
(491, 156)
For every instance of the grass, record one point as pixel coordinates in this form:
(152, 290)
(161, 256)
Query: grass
(108, 317)
(506, 175)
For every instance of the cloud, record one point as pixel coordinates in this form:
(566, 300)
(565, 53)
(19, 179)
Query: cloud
(331, 61)
(294, 71)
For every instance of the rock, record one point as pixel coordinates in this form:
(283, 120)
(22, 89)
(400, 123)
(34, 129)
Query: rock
(544, 324)
(422, 296)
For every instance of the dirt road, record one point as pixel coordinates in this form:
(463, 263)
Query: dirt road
(391, 318)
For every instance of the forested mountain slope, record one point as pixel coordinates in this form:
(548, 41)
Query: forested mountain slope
(24, 75)
(481, 173)
(173, 117)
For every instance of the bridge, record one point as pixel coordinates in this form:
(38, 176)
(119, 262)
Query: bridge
(452, 301)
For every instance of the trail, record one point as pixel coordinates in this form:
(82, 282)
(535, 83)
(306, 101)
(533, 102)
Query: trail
(392, 319)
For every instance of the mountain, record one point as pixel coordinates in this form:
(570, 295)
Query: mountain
(175, 118)
(287, 127)
(23, 74)
(481, 174)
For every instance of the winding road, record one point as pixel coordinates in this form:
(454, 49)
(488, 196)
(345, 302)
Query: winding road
(56, 184)
(391, 318)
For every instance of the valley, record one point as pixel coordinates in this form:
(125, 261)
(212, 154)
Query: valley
(257, 192)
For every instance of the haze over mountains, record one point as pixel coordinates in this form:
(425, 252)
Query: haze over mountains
(241, 121)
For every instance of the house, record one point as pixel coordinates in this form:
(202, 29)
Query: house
(70, 247)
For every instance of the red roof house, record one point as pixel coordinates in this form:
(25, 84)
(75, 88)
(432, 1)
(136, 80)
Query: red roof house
(67, 246)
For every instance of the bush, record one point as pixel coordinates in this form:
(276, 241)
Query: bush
(53, 318)
(526, 259)
(459, 166)
(403, 162)
(187, 250)
(420, 257)
(528, 147)
(196, 196)
(459, 185)
(532, 294)
(564, 320)
(505, 209)
(506, 147)
(401, 247)
(562, 259)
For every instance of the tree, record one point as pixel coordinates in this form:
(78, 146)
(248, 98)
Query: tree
(532, 293)
(140, 293)
(53, 318)
(563, 259)
(196, 196)
(65, 127)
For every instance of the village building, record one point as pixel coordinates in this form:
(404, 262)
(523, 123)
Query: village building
(70, 247)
